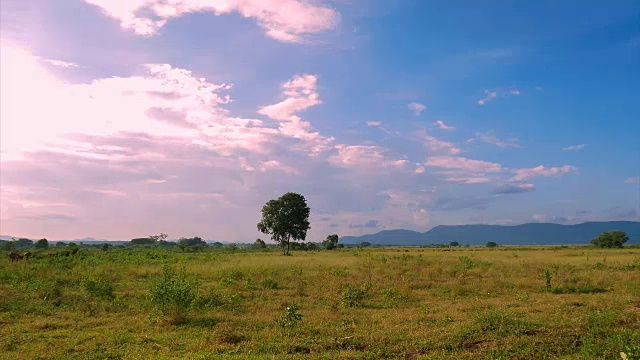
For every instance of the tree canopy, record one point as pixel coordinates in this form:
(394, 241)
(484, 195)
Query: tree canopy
(331, 242)
(286, 218)
(611, 239)
(42, 244)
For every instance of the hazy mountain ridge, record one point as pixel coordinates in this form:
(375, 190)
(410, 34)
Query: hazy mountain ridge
(524, 234)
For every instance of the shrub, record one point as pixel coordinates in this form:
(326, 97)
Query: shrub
(99, 286)
(173, 293)
(353, 296)
(269, 283)
(289, 319)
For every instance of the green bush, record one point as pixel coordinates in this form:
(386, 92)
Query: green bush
(99, 286)
(289, 319)
(353, 296)
(269, 283)
(173, 293)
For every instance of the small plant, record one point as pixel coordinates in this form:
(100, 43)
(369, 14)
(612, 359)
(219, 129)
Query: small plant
(468, 262)
(173, 293)
(547, 278)
(269, 283)
(289, 319)
(99, 286)
(353, 296)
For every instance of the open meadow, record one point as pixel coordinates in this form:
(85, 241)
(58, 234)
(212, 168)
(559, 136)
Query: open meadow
(410, 303)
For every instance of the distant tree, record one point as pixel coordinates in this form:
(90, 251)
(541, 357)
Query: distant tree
(312, 246)
(105, 247)
(259, 244)
(454, 244)
(23, 243)
(142, 241)
(285, 218)
(217, 244)
(42, 244)
(194, 241)
(6, 245)
(491, 244)
(467, 245)
(166, 243)
(611, 239)
(364, 244)
(233, 247)
(73, 248)
(340, 246)
(331, 242)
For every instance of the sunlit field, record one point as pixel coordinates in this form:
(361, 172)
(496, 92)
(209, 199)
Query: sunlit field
(410, 303)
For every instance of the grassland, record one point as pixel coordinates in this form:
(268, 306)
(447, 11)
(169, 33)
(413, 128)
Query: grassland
(475, 303)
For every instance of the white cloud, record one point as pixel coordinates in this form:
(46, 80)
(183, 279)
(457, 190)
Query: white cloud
(416, 107)
(60, 63)
(514, 92)
(541, 171)
(301, 93)
(490, 138)
(443, 126)
(460, 163)
(574, 147)
(488, 96)
(419, 169)
(369, 156)
(633, 180)
(283, 20)
(374, 123)
(435, 146)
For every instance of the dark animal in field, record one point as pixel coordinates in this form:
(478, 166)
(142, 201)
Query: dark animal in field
(15, 256)
(27, 255)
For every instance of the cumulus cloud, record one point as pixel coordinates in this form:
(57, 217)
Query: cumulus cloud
(574, 147)
(440, 124)
(283, 20)
(416, 107)
(300, 93)
(492, 139)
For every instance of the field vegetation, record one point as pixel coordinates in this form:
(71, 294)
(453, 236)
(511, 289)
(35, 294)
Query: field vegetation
(143, 302)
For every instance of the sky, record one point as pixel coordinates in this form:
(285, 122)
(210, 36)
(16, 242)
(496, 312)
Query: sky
(122, 119)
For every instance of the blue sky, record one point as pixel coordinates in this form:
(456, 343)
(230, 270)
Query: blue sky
(123, 120)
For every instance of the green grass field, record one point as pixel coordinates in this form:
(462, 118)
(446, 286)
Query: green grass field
(475, 303)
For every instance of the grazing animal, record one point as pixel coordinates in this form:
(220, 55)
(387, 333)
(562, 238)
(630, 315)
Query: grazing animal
(27, 255)
(15, 256)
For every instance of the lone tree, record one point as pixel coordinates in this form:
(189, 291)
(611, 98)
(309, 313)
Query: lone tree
(42, 244)
(611, 239)
(331, 242)
(491, 244)
(259, 244)
(285, 218)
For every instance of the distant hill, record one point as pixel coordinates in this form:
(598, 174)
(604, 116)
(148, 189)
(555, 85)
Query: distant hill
(525, 234)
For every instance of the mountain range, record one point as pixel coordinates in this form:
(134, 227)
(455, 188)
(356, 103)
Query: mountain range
(525, 234)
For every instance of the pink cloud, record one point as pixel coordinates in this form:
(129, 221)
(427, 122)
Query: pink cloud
(541, 171)
(283, 20)
(417, 108)
(633, 180)
(434, 145)
(460, 163)
(444, 126)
